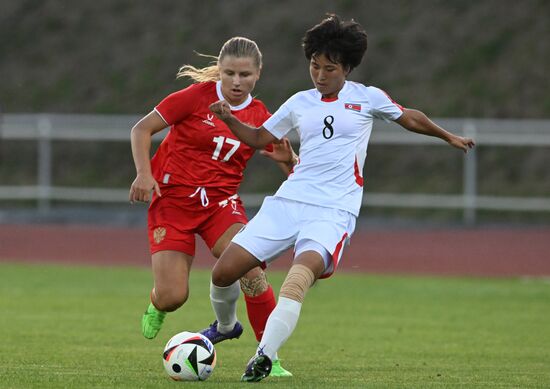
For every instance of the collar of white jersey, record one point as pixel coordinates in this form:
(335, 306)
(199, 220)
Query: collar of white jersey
(341, 94)
(243, 105)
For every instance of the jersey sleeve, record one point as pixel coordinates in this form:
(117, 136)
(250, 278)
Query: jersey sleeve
(178, 105)
(282, 121)
(382, 105)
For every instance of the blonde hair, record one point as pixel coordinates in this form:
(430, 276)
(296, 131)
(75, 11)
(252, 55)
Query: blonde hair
(238, 47)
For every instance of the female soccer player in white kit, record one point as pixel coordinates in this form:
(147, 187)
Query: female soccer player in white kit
(315, 209)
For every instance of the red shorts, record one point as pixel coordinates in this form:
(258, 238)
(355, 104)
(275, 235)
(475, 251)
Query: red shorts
(182, 212)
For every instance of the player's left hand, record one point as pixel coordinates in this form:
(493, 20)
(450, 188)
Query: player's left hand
(282, 152)
(462, 143)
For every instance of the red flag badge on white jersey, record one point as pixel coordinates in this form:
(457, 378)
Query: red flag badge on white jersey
(353, 107)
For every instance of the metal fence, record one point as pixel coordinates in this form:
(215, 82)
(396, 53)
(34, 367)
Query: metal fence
(46, 128)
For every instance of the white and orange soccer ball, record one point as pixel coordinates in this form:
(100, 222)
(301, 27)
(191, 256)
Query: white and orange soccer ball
(189, 356)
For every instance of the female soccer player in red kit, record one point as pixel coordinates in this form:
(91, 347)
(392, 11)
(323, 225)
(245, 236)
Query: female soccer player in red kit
(194, 177)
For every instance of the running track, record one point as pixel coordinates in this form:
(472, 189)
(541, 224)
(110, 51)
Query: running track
(477, 252)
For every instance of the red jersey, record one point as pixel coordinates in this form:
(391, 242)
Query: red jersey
(200, 150)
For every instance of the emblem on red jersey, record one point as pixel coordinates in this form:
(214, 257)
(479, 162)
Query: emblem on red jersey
(158, 234)
(353, 107)
(209, 118)
(234, 206)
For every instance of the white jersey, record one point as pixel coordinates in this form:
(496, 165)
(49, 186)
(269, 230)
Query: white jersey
(333, 143)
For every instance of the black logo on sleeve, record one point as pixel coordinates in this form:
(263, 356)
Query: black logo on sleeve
(328, 131)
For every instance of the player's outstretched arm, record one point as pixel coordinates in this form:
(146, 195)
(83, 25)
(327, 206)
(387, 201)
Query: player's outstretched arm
(256, 138)
(416, 121)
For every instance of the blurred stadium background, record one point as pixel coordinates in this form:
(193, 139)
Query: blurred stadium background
(77, 75)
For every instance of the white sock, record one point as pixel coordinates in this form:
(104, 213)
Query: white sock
(224, 303)
(280, 325)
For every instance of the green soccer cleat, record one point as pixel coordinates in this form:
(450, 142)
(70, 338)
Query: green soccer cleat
(151, 322)
(278, 371)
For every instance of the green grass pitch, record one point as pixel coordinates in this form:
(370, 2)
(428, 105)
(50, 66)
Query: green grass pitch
(79, 327)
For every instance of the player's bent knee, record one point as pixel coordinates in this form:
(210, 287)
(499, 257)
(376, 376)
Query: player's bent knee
(254, 283)
(222, 277)
(225, 273)
(298, 281)
(171, 300)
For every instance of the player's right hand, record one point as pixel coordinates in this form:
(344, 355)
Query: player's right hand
(141, 188)
(221, 109)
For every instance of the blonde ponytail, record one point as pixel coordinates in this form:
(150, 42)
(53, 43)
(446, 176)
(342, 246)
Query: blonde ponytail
(238, 47)
(208, 73)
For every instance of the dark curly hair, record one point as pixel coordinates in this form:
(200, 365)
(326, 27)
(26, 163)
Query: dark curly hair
(343, 42)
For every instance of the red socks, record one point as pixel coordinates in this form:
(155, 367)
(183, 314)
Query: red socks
(258, 309)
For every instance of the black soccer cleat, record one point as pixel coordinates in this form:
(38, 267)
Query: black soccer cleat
(257, 369)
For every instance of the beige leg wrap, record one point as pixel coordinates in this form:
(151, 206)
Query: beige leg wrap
(297, 282)
(255, 286)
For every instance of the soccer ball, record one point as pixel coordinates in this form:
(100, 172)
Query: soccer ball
(189, 356)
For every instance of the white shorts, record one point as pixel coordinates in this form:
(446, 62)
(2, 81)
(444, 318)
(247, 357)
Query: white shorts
(282, 223)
